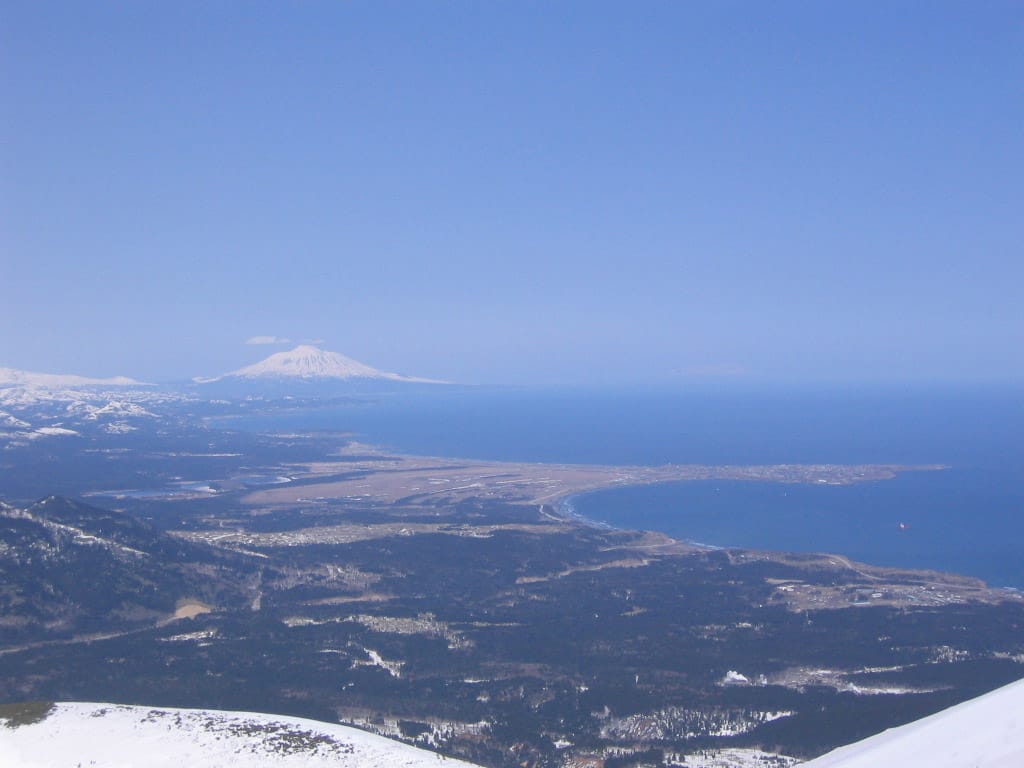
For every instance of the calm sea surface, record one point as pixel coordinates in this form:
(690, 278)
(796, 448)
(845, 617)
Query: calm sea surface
(968, 519)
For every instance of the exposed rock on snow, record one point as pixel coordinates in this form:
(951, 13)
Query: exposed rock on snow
(117, 736)
(738, 757)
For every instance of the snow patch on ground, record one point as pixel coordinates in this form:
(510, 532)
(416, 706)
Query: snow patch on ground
(677, 723)
(737, 758)
(393, 668)
(734, 677)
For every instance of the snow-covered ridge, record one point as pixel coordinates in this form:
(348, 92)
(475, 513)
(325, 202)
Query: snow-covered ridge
(10, 377)
(32, 413)
(986, 732)
(309, 362)
(117, 736)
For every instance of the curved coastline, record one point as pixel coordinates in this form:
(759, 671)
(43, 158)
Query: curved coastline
(566, 507)
(975, 534)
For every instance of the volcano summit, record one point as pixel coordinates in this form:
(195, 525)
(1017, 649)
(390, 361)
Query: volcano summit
(312, 363)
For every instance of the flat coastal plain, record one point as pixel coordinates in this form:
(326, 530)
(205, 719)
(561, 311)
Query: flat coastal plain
(393, 479)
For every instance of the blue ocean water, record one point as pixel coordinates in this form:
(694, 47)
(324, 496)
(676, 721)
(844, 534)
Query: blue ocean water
(964, 521)
(968, 518)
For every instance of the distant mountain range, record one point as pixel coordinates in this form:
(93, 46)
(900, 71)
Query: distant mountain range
(9, 377)
(42, 406)
(305, 363)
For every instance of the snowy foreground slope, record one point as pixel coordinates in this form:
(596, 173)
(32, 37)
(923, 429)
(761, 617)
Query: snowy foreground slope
(986, 732)
(116, 736)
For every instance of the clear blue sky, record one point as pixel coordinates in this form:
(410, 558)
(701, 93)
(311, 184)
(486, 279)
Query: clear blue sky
(512, 191)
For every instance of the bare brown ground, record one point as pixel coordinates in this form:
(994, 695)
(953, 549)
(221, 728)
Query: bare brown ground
(189, 609)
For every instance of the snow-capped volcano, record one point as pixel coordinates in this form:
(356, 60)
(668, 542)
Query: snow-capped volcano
(309, 362)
